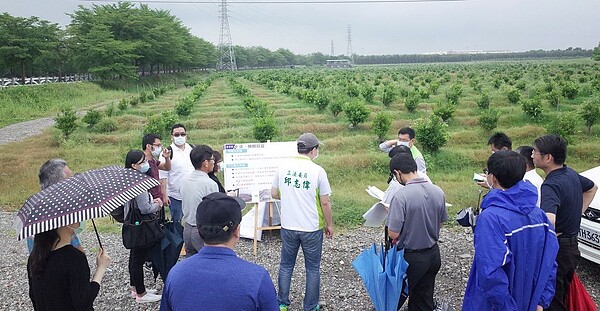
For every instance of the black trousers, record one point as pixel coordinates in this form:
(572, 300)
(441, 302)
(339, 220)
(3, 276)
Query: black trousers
(567, 260)
(137, 257)
(423, 266)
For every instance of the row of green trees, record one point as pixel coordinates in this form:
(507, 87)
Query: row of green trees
(465, 57)
(110, 41)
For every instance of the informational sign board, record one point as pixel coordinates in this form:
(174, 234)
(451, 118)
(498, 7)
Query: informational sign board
(251, 167)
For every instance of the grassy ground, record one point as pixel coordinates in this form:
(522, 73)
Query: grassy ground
(31, 102)
(350, 156)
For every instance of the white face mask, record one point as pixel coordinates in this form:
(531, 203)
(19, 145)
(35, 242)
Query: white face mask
(179, 141)
(317, 155)
(403, 143)
(156, 152)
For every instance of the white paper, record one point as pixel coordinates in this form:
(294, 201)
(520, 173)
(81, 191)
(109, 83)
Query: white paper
(477, 177)
(376, 215)
(375, 192)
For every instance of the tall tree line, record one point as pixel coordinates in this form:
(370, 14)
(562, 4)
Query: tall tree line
(109, 41)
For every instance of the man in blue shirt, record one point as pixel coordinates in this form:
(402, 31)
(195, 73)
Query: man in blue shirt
(215, 278)
(565, 195)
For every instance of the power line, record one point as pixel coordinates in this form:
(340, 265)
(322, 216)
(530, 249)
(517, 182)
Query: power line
(280, 1)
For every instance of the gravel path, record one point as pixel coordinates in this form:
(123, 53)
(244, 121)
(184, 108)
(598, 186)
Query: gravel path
(20, 131)
(341, 288)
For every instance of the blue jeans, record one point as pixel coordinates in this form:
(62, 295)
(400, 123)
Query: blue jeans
(312, 245)
(176, 211)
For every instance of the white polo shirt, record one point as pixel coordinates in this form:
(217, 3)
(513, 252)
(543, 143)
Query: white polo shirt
(533, 177)
(181, 166)
(300, 183)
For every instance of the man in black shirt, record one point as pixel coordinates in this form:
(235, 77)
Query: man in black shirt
(565, 195)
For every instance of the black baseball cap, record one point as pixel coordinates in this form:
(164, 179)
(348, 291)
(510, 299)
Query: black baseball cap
(217, 212)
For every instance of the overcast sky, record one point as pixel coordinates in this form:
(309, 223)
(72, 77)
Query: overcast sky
(377, 28)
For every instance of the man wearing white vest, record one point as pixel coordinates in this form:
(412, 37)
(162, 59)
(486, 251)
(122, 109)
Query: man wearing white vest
(304, 191)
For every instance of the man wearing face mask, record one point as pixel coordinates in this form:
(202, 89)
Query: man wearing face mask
(416, 214)
(153, 149)
(181, 166)
(406, 137)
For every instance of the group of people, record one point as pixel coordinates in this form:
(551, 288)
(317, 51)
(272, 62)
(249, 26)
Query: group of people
(195, 196)
(525, 238)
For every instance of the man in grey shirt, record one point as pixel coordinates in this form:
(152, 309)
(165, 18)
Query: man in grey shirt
(416, 214)
(193, 188)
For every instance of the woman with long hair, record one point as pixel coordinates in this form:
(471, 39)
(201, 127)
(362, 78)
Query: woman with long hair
(136, 160)
(59, 275)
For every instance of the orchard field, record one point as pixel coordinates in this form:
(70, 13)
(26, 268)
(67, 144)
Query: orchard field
(454, 108)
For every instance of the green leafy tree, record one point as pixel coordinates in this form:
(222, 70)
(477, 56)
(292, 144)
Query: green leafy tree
(66, 121)
(356, 112)
(431, 133)
(368, 92)
(444, 110)
(532, 107)
(483, 101)
(596, 53)
(388, 96)
(590, 113)
(570, 90)
(412, 101)
(25, 40)
(565, 125)
(336, 107)
(513, 95)
(265, 128)
(92, 117)
(382, 122)
(488, 119)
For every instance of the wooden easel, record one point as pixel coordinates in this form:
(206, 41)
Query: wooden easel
(270, 226)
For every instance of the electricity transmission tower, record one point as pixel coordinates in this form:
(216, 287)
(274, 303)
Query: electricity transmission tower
(332, 50)
(226, 54)
(349, 48)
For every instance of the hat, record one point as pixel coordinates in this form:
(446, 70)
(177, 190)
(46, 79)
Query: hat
(307, 141)
(217, 212)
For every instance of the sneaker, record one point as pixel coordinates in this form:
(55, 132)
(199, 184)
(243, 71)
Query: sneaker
(148, 298)
(283, 307)
(148, 291)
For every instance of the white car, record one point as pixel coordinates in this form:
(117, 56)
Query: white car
(589, 232)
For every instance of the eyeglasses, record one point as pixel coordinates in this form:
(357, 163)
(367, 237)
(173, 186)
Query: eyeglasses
(157, 145)
(179, 134)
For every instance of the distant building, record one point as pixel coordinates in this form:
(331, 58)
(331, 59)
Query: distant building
(338, 63)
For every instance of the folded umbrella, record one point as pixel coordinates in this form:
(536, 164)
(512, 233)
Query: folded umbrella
(164, 255)
(383, 274)
(88, 195)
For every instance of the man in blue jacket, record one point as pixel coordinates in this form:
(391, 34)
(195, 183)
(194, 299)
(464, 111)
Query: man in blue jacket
(515, 244)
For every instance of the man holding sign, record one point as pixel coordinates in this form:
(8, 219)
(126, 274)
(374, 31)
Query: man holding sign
(304, 191)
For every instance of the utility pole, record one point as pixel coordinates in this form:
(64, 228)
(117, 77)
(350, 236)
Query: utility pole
(332, 50)
(349, 48)
(226, 54)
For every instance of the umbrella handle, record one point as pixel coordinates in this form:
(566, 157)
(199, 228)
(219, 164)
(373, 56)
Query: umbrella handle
(97, 236)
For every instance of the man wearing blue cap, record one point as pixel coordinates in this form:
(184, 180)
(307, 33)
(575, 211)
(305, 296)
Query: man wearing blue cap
(215, 278)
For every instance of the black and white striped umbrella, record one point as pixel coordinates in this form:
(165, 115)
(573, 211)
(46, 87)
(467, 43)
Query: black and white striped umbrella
(88, 195)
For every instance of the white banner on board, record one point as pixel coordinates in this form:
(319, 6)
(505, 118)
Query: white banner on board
(251, 167)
